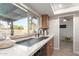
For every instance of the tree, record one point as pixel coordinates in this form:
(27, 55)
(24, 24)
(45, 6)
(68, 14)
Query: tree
(18, 27)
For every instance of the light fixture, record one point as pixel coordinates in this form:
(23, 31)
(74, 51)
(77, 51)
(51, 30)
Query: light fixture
(64, 20)
(60, 5)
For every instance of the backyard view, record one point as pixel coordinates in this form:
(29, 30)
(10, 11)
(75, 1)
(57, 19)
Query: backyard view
(23, 26)
(4, 27)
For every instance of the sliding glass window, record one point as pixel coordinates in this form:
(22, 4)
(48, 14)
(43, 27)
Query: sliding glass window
(20, 20)
(26, 26)
(33, 25)
(4, 27)
(21, 26)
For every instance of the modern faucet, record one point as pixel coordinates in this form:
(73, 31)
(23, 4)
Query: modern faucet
(38, 33)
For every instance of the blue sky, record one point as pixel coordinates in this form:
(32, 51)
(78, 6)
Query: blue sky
(23, 22)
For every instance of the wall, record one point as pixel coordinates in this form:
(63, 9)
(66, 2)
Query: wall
(76, 33)
(54, 29)
(68, 31)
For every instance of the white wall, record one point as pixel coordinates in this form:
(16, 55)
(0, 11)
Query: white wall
(76, 33)
(54, 29)
(68, 31)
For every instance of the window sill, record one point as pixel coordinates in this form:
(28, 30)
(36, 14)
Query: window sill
(21, 36)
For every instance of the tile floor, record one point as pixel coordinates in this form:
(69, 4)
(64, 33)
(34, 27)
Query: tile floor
(66, 49)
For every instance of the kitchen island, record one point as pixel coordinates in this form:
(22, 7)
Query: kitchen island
(23, 50)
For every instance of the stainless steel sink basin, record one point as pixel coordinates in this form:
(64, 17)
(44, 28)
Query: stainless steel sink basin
(31, 41)
(43, 38)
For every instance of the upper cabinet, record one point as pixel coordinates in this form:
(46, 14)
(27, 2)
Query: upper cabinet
(44, 22)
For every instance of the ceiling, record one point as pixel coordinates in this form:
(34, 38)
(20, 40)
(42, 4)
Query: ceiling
(5, 8)
(10, 11)
(52, 9)
(41, 8)
(59, 6)
(66, 18)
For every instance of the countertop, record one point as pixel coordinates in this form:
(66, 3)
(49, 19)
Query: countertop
(20, 50)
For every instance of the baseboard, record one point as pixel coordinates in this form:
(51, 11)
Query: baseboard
(56, 48)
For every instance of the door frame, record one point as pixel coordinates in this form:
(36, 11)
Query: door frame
(73, 30)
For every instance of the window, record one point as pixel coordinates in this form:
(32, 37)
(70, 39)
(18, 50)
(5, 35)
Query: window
(4, 27)
(26, 26)
(21, 27)
(33, 25)
(17, 21)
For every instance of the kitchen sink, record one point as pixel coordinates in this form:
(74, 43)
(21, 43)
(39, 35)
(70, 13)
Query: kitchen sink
(42, 38)
(31, 41)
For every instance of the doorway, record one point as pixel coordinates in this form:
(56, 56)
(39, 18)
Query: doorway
(66, 35)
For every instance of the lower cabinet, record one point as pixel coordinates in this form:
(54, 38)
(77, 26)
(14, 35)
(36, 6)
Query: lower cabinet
(46, 50)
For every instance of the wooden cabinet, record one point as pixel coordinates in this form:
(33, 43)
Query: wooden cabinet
(44, 22)
(47, 49)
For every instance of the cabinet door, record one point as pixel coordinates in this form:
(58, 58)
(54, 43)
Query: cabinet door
(47, 50)
(44, 21)
(50, 47)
